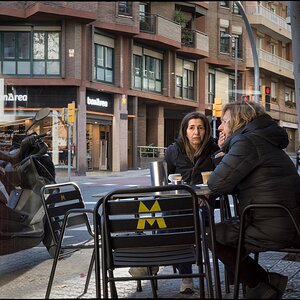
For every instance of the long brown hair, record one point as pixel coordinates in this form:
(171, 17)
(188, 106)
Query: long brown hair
(183, 137)
(242, 113)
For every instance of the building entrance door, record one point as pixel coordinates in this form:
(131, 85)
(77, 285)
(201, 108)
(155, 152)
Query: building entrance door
(103, 153)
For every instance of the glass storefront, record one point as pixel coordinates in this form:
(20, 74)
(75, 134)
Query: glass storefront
(56, 139)
(99, 130)
(98, 141)
(19, 104)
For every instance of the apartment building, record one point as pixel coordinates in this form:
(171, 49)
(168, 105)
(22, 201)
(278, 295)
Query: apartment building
(133, 70)
(231, 74)
(272, 32)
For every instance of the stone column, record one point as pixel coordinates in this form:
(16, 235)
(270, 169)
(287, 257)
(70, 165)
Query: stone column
(81, 133)
(120, 134)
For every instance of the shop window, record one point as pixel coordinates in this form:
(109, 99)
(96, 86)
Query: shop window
(30, 53)
(147, 73)
(104, 63)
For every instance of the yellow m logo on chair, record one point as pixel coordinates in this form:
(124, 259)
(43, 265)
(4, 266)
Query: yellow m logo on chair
(155, 208)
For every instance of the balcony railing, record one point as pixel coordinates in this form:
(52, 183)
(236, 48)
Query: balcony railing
(151, 151)
(275, 60)
(188, 37)
(260, 10)
(194, 39)
(147, 23)
(155, 24)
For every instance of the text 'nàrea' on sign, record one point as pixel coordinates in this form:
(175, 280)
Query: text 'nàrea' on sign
(11, 97)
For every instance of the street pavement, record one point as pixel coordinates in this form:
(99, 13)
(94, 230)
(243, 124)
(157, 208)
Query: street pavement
(24, 275)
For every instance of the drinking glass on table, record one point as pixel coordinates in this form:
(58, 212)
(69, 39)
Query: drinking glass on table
(205, 176)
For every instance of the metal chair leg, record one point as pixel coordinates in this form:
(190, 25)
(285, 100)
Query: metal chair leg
(139, 286)
(88, 278)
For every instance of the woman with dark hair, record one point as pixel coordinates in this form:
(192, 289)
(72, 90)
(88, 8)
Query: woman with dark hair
(191, 152)
(190, 155)
(255, 167)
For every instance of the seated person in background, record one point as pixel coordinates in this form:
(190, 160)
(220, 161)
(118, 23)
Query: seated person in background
(255, 167)
(190, 155)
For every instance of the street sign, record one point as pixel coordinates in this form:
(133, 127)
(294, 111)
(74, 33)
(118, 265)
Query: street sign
(71, 112)
(217, 107)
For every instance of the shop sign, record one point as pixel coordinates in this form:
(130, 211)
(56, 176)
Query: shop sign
(13, 98)
(99, 102)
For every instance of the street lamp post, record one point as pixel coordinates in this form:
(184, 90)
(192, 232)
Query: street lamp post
(253, 48)
(235, 66)
(235, 43)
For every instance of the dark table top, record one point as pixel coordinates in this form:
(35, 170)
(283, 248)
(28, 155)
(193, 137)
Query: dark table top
(199, 190)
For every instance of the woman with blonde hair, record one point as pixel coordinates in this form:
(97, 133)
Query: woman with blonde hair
(256, 169)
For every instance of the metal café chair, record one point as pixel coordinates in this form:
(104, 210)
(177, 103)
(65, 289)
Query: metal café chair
(248, 209)
(133, 237)
(64, 208)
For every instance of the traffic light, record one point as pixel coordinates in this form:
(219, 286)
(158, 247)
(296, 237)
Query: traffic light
(267, 98)
(71, 112)
(245, 98)
(217, 107)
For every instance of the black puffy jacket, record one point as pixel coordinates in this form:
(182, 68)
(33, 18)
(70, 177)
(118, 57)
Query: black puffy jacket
(178, 162)
(256, 168)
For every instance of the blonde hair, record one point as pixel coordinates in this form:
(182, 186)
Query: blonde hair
(242, 113)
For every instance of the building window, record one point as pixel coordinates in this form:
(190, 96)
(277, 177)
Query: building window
(235, 8)
(259, 43)
(224, 3)
(124, 8)
(211, 87)
(224, 40)
(274, 91)
(147, 73)
(290, 98)
(45, 53)
(31, 53)
(273, 48)
(185, 78)
(231, 92)
(104, 63)
(236, 44)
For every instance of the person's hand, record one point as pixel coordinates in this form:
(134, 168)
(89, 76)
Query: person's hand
(221, 139)
(220, 154)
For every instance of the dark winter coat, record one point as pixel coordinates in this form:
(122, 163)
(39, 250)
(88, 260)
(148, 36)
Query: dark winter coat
(178, 162)
(256, 168)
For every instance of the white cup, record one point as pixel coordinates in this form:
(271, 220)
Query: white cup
(175, 178)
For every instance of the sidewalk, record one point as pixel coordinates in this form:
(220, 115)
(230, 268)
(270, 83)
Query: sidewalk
(62, 174)
(22, 281)
(24, 275)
